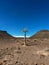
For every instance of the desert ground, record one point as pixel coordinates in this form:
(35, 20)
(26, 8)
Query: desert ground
(14, 52)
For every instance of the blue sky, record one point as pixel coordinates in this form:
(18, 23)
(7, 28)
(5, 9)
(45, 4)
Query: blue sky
(15, 15)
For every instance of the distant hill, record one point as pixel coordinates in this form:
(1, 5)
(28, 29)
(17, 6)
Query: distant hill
(41, 35)
(5, 35)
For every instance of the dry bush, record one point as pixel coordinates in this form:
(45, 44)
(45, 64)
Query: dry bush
(28, 44)
(22, 43)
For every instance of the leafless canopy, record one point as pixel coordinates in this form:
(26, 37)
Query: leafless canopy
(25, 30)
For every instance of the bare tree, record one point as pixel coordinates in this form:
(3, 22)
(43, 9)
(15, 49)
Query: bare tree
(25, 31)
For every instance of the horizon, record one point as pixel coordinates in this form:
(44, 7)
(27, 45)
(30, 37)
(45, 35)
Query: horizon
(15, 15)
(19, 36)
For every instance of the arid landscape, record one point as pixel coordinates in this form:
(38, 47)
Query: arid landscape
(35, 52)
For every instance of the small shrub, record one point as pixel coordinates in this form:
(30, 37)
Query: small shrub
(28, 44)
(5, 61)
(22, 43)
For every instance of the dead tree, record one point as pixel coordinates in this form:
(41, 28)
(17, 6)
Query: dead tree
(25, 31)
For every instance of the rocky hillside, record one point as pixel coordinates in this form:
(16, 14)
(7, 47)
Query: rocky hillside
(6, 38)
(5, 35)
(41, 35)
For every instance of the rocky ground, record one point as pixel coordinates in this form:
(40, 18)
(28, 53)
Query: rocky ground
(17, 54)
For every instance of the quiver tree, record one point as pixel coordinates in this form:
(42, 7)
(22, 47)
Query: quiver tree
(25, 31)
